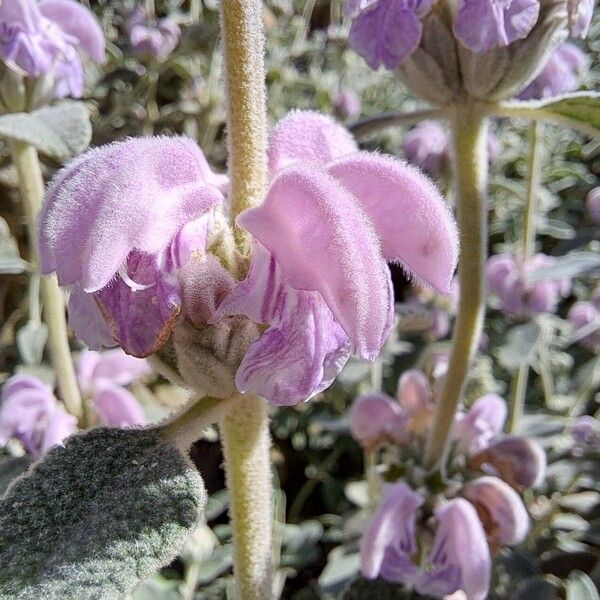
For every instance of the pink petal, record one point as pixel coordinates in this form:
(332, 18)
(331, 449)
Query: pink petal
(131, 195)
(79, 22)
(322, 241)
(304, 349)
(117, 407)
(141, 319)
(60, 426)
(307, 136)
(372, 416)
(414, 393)
(412, 219)
(500, 508)
(392, 526)
(87, 322)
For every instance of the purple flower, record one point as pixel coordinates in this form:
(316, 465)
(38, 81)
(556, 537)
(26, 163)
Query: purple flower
(580, 17)
(415, 396)
(118, 224)
(485, 24)
(562, 73)
(386, 32)
(458, 559)
(122, 222)
(101, 377)
(519, 461)
(30, 413)
(592, 203)
(376, 417)
(501, 510)
(585, 316)
(330, 220)
(426, 146)
(482, 423)
(45, 38)
(507, 279)
(585, 433)
(158, 40)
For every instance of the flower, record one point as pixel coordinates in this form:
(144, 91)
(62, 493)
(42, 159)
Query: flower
(585, 317)
(318, 278)
(415, 396)
(475, 429)
(585, 434)
(458, 559)
(102, 377)
(562, 73)
(426, 146)
(375, 417)
(146, 209)
(30, 413)
(508, 279)
(519, 461)
(501, 510)
(46, 38)
(386, 32)
(592, 203)
(485, 24)
(158, 40)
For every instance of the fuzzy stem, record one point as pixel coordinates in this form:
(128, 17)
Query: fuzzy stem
(469, 129)
(245, 440)
(26, 160)
(517, 400)
(243, 47)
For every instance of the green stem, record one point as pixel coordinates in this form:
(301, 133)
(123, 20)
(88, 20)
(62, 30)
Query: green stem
(245, 440)
(26, 160)
(469, 128)
(519, 386)
(372, 125)
(243, 47)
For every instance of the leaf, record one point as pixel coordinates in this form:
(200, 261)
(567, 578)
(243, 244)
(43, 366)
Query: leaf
(11, 467)
(580, 111)
(520, 346)
(60, 131)
(581, 587)
(11, 262)
(97, 516)
(571, 265)
(339, 569)
(31, 341)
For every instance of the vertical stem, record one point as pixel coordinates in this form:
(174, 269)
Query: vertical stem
(243, 45)
(32, 189)
(245, 429)
(245, 440)
(469, 129)
(519, 391)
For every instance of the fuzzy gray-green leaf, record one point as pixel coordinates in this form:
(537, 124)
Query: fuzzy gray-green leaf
(60, 132)
(97, 516)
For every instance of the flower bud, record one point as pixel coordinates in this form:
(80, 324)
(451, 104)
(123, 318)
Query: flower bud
(375, 417)
(476, 429)
(581, 316)
(346, 104)
(519, 461)
(593, 204)
(426, 146)
(585, 432)
(500, 510)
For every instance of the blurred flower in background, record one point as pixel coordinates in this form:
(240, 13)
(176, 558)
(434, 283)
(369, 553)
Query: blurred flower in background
(47, 39)
(156, 40)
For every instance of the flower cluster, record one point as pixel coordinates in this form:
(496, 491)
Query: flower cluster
(152, 40)
(387, 32)
(45, 40)
(509, 278)
(140, 232)
(584, 316)
(30, 413)
(460, 529)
